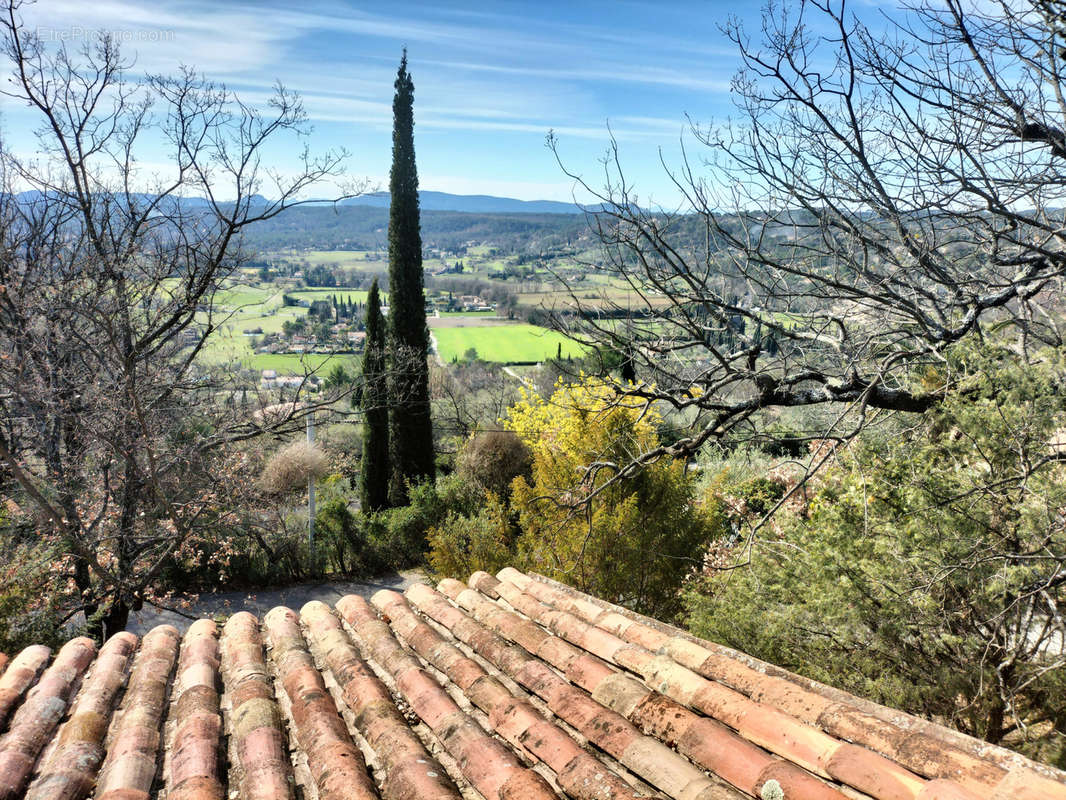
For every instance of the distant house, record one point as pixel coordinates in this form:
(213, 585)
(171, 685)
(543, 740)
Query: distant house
(271, 380)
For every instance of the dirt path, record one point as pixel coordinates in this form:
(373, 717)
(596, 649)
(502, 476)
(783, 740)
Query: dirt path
(527, 383)
(433, 348)
(260, 601)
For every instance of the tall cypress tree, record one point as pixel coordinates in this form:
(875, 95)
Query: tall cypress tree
(374, 475)
(410, 427)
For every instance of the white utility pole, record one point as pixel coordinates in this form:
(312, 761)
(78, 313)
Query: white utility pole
(311, 495)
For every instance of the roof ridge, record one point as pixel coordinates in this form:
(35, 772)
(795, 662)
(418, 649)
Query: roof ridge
(667, 685)
(848, 716)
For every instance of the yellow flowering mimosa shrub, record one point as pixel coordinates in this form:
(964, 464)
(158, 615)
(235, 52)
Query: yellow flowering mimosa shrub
(629, 540)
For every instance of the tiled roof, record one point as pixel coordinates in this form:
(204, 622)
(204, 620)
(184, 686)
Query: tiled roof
(509, 688)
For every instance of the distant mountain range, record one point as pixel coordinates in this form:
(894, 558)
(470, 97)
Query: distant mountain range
(471, 203)
(361, 223)
(430, 201)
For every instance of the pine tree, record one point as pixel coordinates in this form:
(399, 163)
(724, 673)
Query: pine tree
(410, 426)
(374, 475)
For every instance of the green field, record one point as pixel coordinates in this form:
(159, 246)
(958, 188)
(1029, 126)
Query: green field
(228, 342)
(296, 364)
(345, 259)
(250, 306)
(504, 343)
(310, 295)
(241, 296)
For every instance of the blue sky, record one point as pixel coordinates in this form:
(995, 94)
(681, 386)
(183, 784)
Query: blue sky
(491, 78)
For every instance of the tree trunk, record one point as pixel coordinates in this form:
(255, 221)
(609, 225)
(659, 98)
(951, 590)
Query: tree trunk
(115, 619)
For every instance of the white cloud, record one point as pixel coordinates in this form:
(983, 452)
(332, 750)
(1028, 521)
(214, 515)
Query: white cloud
(517, 74)
(603, 72)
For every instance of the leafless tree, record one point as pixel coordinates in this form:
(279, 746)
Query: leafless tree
(471, 396)
(108, 273)
(886, 192)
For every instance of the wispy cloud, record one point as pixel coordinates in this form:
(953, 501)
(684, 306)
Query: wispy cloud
(229, 39)
(620, 73)
(490, 79)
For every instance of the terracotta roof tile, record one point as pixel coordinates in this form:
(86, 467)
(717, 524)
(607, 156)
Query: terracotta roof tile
(411, 773)
(36, 719)
(922, 747)
(489, 766)
(335, 763)
(766, 726)
(743, 764)
(135, 742)
(513, 718)
(508, 687)
(192, 766)
(69, 771)
(20, 675)
(260, 765)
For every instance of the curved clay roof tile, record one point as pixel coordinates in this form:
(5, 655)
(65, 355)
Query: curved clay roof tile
(507, 687)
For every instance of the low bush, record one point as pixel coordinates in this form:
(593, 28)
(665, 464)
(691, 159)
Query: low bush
(32, 601)
(494, 459)
(631, 541)
(345, 541)
(464, 544)
(400, 534)
(292, 466)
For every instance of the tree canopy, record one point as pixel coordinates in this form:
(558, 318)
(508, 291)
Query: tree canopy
(927, 569)
(880, 196)
(374, 469)
(112, 428)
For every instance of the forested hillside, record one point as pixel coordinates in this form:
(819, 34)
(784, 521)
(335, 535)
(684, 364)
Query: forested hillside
(346, 227)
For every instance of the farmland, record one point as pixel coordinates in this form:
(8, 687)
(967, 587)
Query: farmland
(244, 313)
(506, 344)
(489, 285)
(296, 364)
